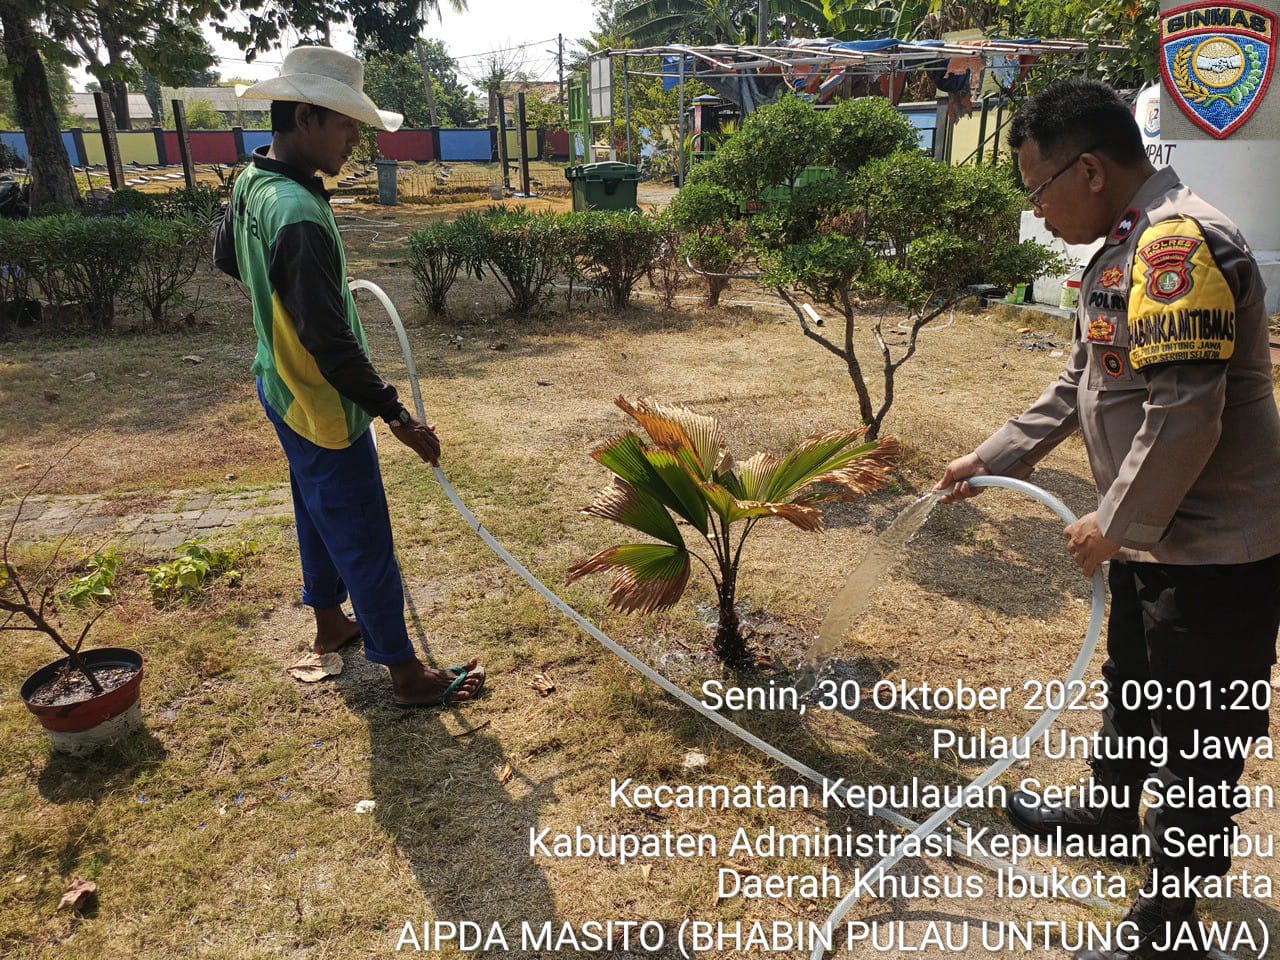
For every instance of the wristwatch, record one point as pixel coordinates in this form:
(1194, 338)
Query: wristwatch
(400, 418)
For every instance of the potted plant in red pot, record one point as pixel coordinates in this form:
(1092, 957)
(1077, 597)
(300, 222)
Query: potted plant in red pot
(86, 699)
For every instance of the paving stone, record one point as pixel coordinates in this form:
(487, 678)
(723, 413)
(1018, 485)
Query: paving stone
(212, 518)
(190, 515)
(162, 518)
(169, 540)
(199, 502)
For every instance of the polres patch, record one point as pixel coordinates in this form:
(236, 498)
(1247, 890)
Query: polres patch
(1169, 267)
(1113, 363)
(1216, 61)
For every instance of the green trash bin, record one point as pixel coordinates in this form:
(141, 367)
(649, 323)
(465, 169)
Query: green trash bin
(607, 185)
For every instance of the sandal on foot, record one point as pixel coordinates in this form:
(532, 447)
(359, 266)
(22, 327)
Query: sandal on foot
(460, 675)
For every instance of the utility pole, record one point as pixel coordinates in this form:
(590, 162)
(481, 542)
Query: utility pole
(762, 23)
(426, 81)
(560, 65)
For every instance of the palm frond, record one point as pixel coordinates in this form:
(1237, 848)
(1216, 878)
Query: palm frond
(731, 509)
(863, 473)
(682, 480)
(757, 473)
(678, 429)
(651, 576)
(658, 474)
(817, 454)
(625, 504)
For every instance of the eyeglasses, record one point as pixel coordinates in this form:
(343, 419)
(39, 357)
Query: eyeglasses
(1034, 195)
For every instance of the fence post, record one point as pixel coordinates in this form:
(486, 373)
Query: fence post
(110, 146)
(184, 142)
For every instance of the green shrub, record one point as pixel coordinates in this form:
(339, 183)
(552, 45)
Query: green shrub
(436, 254)
(87, 261)
(524, 251)
(18, 267)
(203, 201)
(864, 129)
(123, 202)
(713, 256)
(170, 251)
(773, 147)
(614, 250)
(701, 207)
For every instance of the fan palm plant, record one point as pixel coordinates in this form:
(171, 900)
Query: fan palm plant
(685, 471)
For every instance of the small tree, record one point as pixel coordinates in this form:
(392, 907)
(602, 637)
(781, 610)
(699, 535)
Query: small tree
(28, 601)
(883, 221)
(708, 214)
(202, 116)
(685, 471)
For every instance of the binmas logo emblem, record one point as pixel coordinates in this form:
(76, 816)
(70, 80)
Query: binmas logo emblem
(1112, 277)
(1216, 61)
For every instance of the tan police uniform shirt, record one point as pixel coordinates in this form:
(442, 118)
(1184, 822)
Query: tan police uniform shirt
(1169, 381)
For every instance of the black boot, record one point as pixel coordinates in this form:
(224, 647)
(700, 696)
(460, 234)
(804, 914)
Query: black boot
(1116, 817)
(1155, 928)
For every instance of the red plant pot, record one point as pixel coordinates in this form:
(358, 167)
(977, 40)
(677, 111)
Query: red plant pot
(116, 710)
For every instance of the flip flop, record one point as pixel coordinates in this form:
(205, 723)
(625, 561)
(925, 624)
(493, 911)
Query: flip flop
(460, 675)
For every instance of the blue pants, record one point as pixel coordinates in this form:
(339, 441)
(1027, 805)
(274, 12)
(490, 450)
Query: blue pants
(344, 537)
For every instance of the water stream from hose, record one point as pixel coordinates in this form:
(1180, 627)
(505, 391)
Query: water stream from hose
(857, 590)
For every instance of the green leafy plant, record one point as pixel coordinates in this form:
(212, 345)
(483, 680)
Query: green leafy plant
(614, 250)
(98, 585)
(195, 566)
(171, 250)
(436, 254)
(524, 251)
(87, 261)
(204, 202)
(684, 470)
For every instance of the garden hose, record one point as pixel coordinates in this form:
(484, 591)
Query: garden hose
(934, 823)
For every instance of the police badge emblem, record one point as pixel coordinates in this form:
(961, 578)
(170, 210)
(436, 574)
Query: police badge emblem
(1216, 62)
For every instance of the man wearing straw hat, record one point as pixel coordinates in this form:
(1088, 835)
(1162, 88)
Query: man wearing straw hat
(314, 377)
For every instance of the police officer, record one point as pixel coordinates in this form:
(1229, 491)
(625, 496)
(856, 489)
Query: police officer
(1169, 381)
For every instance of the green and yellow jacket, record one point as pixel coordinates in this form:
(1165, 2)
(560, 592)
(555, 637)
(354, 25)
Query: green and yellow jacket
(280, 239)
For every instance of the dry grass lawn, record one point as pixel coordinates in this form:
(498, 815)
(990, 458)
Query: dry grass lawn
(229, 829)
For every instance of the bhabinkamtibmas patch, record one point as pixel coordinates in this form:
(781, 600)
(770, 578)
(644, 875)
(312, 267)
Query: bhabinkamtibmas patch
(1180, 307)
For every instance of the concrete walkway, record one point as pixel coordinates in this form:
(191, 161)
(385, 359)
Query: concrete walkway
(168, 520)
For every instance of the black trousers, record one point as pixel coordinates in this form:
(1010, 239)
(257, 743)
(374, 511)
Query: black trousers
(1171, 629)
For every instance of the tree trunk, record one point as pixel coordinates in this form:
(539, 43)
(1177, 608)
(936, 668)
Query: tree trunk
(117, 91)
(729, 646)
(51, 178)
(117, 94)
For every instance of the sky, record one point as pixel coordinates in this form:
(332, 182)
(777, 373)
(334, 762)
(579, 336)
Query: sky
(485, 26)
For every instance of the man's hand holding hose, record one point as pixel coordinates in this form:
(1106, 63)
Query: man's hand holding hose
(419, 437)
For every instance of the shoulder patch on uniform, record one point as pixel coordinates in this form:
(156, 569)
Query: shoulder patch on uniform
(1126, 225)
(1180, 306)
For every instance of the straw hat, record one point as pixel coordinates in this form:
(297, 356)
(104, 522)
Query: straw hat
(327, 78)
